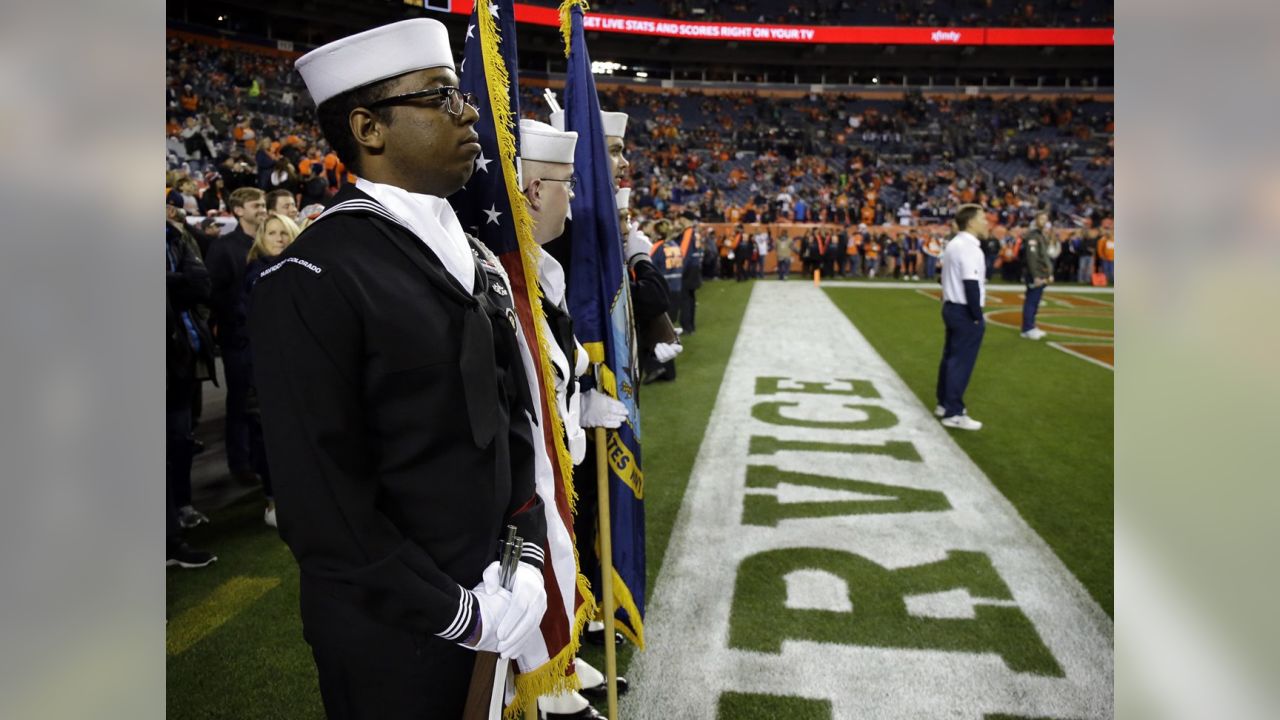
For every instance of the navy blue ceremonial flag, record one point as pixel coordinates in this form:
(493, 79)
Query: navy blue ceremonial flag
(492, 207)
(600, 304)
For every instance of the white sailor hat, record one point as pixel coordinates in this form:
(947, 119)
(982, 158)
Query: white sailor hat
(615, 123)
(542, 143)
(373, 55)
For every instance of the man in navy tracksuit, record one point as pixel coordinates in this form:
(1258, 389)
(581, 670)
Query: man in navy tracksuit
(963, 294)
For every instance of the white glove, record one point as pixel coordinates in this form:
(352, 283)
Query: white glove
(575, 438)
(637, 242)
(577, 444)
(667, 351)
(600, 410)
(492, 602)
(524, 614)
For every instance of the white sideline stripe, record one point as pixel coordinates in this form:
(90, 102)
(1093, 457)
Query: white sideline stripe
(687, 664)
(927, 284)
(1056, 346)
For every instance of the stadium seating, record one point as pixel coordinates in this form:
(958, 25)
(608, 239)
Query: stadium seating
(713, 153)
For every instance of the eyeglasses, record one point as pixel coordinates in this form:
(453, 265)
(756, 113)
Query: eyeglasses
(454, 99)
(572, 181)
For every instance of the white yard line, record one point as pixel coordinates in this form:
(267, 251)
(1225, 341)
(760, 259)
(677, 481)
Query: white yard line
(1082, 356)
(692, 657)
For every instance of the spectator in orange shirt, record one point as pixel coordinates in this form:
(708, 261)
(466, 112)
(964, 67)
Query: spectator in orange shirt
(857, 254)
(1107, 255)
(189, 101)
(333, 170)
(872, 247)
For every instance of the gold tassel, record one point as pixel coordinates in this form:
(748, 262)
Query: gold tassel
(566, 20)
(622, 598)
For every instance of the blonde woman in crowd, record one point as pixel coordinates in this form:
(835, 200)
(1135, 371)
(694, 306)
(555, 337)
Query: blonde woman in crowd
(274, 235)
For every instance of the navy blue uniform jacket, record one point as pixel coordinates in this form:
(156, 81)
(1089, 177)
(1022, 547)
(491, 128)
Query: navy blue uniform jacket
(393, 408)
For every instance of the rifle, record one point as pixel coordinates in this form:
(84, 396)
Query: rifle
(489, 674)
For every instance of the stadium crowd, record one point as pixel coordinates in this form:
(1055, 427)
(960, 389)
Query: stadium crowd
(237, 119)
(849, 186)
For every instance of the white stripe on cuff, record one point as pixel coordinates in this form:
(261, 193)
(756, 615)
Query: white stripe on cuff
(462, 620)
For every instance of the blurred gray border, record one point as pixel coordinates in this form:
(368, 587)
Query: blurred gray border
(1197, 381)
(81, 440)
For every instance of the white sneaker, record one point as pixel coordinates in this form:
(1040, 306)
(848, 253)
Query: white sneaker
(961, 422)
(1034, 334)
(269, 517)
(915, 277)
(939, 411)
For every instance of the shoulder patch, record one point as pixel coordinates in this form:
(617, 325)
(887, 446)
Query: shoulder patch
(296, 261)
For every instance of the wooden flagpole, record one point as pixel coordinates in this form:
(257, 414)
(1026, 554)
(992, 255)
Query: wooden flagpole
(606, 572)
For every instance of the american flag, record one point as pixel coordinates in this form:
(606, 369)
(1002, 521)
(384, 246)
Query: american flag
(491, 207)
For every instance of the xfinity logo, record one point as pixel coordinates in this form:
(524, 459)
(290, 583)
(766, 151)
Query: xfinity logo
(950, 36)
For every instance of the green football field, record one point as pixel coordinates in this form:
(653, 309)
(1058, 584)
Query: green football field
(234, 642)
(1048, 442)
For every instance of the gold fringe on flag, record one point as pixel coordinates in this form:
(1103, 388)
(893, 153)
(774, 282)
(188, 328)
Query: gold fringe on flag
(550, 677)
(555, 676)
(622, 598)
(566, 21)
(498, 81)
